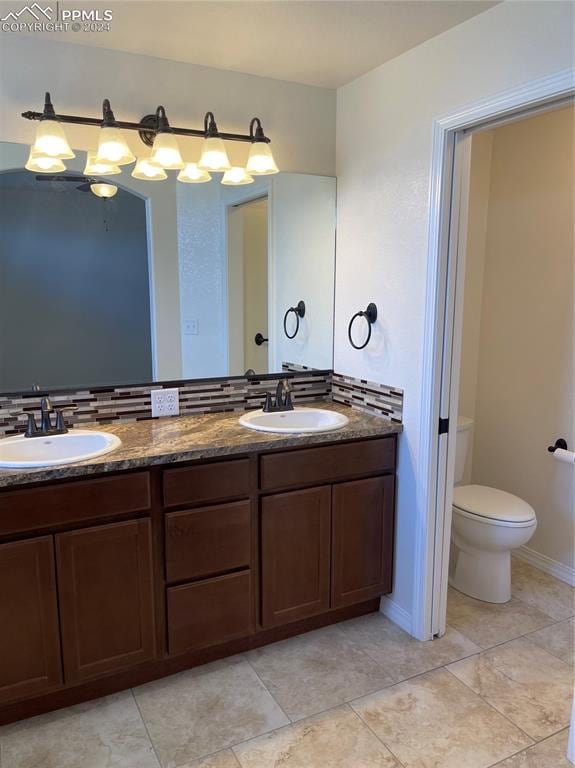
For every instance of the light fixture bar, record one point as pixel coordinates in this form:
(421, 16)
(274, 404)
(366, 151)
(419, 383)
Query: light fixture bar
(144, 126)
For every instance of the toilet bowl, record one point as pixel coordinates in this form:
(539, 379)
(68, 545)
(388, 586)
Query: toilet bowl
(487, 525)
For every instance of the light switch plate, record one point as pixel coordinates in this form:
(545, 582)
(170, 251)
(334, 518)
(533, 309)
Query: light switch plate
(165, 402)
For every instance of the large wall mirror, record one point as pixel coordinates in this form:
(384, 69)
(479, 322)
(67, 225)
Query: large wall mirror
(162, 281)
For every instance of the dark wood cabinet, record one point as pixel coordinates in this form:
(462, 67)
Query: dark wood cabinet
(295, 545)
(207, 541)
(109, 582)
(210, 611)
(29, 636)
(106, 598)
(362, 540)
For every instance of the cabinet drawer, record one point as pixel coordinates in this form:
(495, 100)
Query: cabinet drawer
(206, 482)
(82, 501)
(209, 540)
(210, 612)
(327, 464)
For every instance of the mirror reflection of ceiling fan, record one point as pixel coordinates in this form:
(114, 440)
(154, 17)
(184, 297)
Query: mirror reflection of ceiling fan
(85, 184)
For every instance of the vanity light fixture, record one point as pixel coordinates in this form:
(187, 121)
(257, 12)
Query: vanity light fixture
(237, 176)
(145, 170)
(191, 174)
(104, 190)
(260, 159)
(43, 164)
(112, 147)
(50, 138)
(214, 156)
(94, 168)
(165, 150)
(155, 132)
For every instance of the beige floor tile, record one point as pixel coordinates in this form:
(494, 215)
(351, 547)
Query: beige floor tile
(334, 739)
(316, 671)
(108, 732)
(199, 712)
(545, 592)
(522, 681)
(559, 639)
(400, 655)
(547, 754)
(489, 624)
(434, 721)
(224, 759)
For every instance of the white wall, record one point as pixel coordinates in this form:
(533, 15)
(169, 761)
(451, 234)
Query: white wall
(525, 378)
(384, 132)
(302, 237)
(300, 120)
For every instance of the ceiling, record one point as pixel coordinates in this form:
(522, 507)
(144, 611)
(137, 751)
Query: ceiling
(323, 43)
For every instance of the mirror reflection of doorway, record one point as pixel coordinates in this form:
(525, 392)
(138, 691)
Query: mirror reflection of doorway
(248, 287)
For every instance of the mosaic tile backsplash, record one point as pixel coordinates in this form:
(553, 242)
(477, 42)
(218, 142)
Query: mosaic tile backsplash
(133, 403)
(121, 404)
(369, 396)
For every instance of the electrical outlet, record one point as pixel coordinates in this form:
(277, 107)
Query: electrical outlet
(165, 402)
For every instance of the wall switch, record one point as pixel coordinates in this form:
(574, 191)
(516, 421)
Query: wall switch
(165, 402)
(191, 328)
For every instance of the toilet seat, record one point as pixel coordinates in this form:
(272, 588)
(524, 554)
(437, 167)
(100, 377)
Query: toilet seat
(492, 506)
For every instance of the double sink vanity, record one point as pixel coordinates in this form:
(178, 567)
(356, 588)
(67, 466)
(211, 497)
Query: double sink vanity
(133, 547)
(192, 539)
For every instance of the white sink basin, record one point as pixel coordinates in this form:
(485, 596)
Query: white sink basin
(77, 445)
(298, 420)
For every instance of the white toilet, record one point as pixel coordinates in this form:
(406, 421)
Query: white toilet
(487, 525)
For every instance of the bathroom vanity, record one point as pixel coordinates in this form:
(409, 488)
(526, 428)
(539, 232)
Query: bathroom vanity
(196, 540)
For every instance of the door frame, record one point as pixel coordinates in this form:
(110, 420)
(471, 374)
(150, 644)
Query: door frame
(443, 320)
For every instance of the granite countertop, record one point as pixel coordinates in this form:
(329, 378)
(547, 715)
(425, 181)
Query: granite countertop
(185, 438)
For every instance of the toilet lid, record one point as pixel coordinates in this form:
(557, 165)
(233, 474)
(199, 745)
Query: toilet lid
(492, 503)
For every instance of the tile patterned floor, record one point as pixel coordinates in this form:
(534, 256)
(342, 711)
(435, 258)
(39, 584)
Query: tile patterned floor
(494, 691)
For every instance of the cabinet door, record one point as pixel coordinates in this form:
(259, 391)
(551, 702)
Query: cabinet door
(106, 598)
(295, 530)
(29, 635)
(362, 540)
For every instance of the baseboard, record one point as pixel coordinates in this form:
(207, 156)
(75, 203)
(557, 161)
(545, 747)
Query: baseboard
(397, 614)
(546, 564)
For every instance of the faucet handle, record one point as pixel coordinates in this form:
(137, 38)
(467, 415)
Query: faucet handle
(60, 423)
(31, 427)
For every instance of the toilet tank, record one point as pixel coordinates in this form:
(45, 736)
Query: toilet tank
(464, 432)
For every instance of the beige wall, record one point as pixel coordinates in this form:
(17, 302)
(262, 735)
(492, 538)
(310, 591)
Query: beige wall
(299, 119)
(479, 178)
(525, 387)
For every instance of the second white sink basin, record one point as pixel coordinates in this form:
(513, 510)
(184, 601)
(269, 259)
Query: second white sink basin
(21, 452)
(298, 420)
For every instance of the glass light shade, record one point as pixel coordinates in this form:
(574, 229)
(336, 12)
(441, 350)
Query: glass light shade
(191, 174)
(51, 141)
(237, 176)
(166, 153)
(104, 190)
(112, 147)
(94, 168)
(214, 156)
(260, 160)
(145, 171)
(44, 164)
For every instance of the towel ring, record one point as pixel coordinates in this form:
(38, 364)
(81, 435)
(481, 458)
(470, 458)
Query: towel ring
(299, 311)
(370, 315)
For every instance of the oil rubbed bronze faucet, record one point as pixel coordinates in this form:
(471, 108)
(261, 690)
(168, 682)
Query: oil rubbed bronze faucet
(47, 427)
(282, 402)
